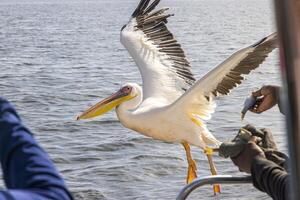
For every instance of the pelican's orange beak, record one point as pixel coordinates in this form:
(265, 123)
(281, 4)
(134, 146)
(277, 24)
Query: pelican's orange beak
(106, 104)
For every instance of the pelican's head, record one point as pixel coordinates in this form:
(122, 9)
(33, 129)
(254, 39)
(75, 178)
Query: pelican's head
(127, 92)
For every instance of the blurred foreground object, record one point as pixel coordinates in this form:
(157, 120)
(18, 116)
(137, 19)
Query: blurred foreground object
(28, 172)
(288, 21)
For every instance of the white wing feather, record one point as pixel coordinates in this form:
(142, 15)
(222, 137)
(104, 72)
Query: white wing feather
(162, 63)
(199, 98)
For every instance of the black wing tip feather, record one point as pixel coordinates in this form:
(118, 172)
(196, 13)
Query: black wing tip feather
(272, 37)
(261, 50)
(144, 8)
(259, 42)
(153, 24)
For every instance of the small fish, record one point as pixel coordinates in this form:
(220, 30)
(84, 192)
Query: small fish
(248, 104)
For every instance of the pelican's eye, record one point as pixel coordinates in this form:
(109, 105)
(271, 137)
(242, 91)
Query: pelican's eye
(126, 89)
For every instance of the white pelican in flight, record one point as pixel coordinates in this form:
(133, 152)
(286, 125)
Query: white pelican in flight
(171, 106)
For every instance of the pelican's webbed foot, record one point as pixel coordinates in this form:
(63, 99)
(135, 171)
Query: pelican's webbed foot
(209, 151)
(192, 168)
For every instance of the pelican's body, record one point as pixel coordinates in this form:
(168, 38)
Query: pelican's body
(155, 108)
(171, 106)
(168, 128)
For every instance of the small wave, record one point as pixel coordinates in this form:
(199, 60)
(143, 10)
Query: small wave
(114, 146)
(112, 121)
(85, 159)
(89, 194)
(61, 160)
(154, 157)
(109, 122)
(28, 64)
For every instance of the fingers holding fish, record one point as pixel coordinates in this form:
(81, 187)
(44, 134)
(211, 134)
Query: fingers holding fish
(267, 97)
(261, 100)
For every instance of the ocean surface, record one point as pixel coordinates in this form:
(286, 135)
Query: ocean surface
(59, 57)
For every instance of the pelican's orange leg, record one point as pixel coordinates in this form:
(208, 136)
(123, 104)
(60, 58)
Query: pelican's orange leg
(209, 151)
(192, 168)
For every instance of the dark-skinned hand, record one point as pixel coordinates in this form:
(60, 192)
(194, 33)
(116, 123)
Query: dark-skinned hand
(267, 97)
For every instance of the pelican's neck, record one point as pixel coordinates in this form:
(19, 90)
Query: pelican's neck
(126, 109)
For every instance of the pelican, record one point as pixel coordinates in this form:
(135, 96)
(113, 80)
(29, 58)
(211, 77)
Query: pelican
(172, 106)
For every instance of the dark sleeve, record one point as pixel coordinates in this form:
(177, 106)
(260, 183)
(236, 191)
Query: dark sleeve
(28, 172)
(270, 178)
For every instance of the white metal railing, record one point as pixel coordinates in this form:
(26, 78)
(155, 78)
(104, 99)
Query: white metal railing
(218, 179)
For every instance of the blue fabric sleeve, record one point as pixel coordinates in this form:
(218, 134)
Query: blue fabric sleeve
(28, 172)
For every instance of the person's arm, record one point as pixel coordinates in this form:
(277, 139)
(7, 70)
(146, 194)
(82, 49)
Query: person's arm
(267, 176)
(270, 178)
(28, 172)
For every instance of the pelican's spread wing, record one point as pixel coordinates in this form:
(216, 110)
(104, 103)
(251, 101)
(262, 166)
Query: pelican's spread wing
(229, 74)
(163, 65)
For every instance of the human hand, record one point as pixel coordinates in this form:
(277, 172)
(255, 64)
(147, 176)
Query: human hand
(244, 159)
(267, 97)
(265, 139)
